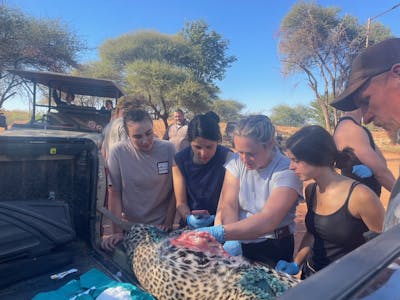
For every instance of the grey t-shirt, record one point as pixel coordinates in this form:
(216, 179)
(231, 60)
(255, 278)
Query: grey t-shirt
(257, 185)
(144, 180)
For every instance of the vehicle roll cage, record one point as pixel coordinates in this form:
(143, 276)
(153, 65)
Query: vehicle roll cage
(66, 83)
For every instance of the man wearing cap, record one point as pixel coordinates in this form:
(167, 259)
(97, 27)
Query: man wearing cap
(374, 86)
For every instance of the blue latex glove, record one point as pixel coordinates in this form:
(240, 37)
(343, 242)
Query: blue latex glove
(234, 248)
(195, 222)
(288, 267)
(216, 231)
(362, 171)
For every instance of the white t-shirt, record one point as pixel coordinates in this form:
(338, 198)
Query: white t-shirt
(257, 185)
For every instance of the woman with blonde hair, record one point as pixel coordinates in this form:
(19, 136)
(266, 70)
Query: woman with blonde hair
(259, 196)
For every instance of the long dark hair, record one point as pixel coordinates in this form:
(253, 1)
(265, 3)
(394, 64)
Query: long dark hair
(205, 126)
(316, 146)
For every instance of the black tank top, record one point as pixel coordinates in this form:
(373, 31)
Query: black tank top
(370, 182)
(334, 235)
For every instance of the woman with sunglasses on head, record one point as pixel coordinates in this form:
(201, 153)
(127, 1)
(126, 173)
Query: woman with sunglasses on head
(339, 210)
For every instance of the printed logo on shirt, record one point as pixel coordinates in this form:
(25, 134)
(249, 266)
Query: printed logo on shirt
(162, 167)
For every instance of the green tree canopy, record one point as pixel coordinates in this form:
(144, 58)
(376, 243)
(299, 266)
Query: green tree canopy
(166, 70)
(317, 117)
(30, 43)
(228, 110)
(157, 83)
(284, 115)
(208, 59)
(145, 45)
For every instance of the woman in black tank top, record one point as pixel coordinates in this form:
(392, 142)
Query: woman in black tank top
(339, 209)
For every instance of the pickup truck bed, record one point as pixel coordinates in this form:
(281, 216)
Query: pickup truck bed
(52, 180)
(81, 257)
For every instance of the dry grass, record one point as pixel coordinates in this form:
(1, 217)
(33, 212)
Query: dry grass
(159, 128)
(286, 131)
(381, 138)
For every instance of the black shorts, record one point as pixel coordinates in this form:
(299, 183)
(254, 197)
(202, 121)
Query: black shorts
(270, 251)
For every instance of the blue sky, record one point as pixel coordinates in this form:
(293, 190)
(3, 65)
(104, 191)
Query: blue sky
(250, 26)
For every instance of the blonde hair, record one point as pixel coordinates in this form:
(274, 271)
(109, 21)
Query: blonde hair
(257, 127)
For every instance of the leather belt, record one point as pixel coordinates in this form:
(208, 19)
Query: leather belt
(282, 232)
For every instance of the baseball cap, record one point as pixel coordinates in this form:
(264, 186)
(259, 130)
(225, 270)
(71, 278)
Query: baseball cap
(373, 61)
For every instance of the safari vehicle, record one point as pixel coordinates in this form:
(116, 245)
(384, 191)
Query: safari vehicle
(52, 180)
(62, 115)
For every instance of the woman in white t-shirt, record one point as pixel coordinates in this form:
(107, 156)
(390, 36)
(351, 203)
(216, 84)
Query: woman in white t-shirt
(259, 196)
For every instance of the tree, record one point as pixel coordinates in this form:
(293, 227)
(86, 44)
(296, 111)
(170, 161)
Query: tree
(319, 43)
(157, 83)
(208, 59)
(98, 69)
(196, 96)
(317, 117)
(284, 115)
(166, 70)
(228, 110)
(29, 43)
(115, 54)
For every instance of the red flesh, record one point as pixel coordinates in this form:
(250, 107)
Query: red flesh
(199, 241)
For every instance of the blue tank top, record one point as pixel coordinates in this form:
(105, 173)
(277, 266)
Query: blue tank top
(334, 235)
(203, 181)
